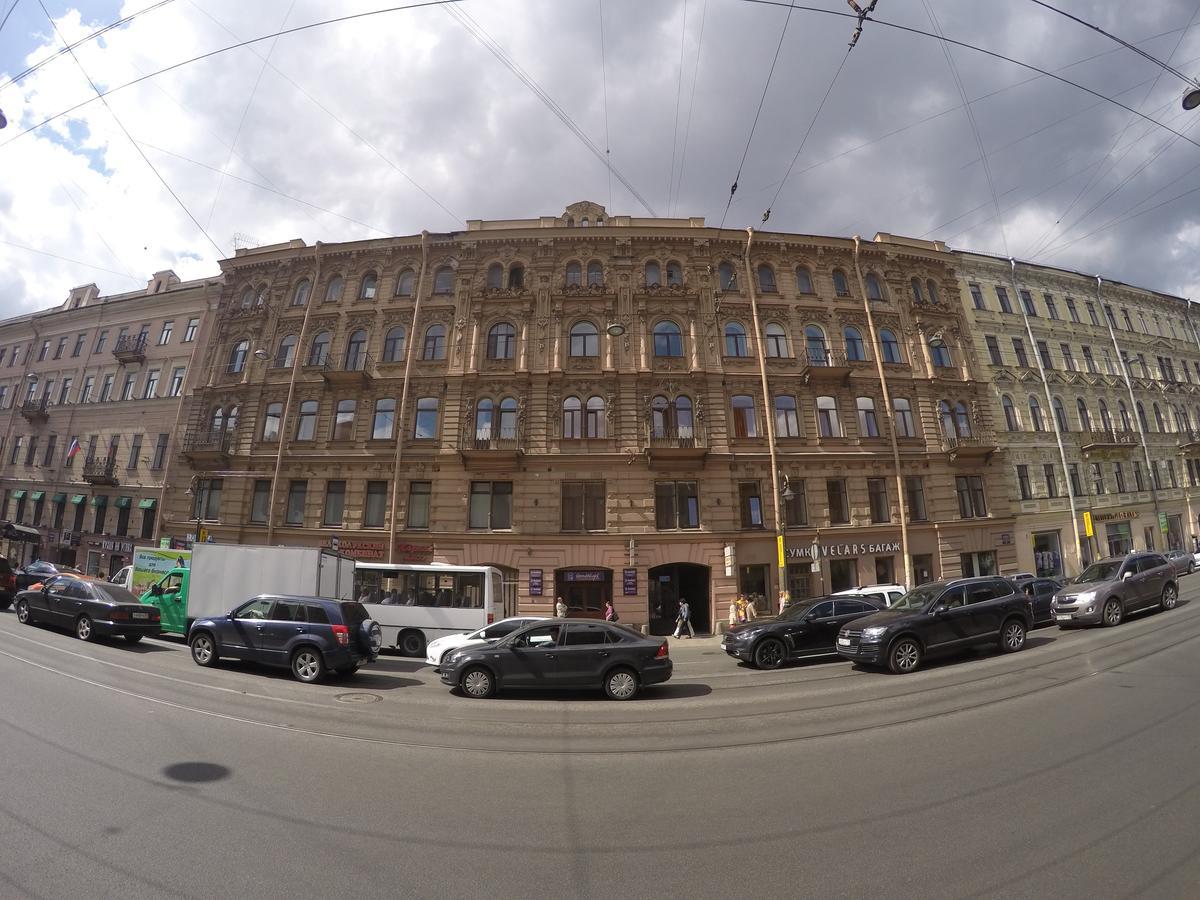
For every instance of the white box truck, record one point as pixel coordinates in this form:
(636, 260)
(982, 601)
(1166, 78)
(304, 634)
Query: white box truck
(220, 577)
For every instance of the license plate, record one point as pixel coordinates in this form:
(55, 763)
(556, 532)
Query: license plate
(844, 642)
(141, 615)
(1062, 618)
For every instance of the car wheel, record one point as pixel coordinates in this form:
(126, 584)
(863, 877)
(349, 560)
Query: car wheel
(621, 684)
(83, 629)
(24, 614)
(905, 656)
(204, 650)
(307, 665)
(133, 638)
(1113, 613)
(768, 654)
(1169, 597)
(477, 682)
(412, 643)
(1012, 636)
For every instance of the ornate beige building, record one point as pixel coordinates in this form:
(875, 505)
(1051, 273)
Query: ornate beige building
(578, 400)
(1112, 370)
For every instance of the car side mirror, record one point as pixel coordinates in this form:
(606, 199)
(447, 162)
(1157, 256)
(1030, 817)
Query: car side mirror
(156, 590)
(941, 609)
(1126, 576)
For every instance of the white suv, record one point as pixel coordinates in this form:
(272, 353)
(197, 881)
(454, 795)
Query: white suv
(887, 594)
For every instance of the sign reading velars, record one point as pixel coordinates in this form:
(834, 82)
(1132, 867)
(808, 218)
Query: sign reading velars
(838, 550)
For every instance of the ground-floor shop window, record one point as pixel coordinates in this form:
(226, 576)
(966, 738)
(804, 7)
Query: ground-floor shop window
(885, 570)
(1148, 534)
(975, 564)
(922, 564)
(1120, 538)
(1174, 532)
(1047, 554)
(843, 574)
(800, 581)
(752, 584)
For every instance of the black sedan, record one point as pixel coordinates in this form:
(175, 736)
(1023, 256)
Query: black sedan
(575, 654)
(40, 570)
(89, 608)
(806, 628)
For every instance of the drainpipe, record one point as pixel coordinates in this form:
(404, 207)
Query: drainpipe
(769, 410)
(1196, 337)
(891, 418)
(284, 422)
(408, 360)
(1062, 453)
(1137, 420)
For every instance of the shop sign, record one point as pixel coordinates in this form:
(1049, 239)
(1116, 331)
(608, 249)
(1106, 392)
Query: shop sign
(841, 550)
(1162, 523)
(629, 582)
(1111, 516)
(535, 582)
(115, 546)
(412, 553)
(585, 575)
(729, 560)
(365, 550)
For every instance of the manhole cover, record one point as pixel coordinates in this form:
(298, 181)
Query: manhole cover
(358, 698)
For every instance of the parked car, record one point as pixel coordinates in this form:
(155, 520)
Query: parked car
(438, 648)
(309, 635)
(885, 594)
(50, 579)
(1196, 559)
(1182, 562)
(572, 654)
(937, 618)
(38, 570)
(807, 628)
(1040, 592)
(8, 583)
(89, 608)
(1109, 589)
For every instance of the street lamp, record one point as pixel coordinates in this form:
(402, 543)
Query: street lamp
(615, 329)
(191, 492)
(262, 354)
(937, 341)
(1191, 98)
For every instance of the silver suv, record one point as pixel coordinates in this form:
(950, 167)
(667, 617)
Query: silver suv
(1110, 589)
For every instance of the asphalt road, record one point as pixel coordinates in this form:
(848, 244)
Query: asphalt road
(1067, 770)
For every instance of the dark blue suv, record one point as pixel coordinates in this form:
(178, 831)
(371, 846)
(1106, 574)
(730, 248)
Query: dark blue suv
(306, 634)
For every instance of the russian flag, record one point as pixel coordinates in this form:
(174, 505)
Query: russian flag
(72, 450)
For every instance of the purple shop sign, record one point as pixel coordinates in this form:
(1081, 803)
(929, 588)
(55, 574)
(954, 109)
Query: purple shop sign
(535, 582)
(585, 575)
(629, 581)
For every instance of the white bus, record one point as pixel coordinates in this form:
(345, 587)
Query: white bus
(416, 604)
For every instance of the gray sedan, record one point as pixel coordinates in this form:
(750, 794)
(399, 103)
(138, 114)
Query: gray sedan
(1182, 562)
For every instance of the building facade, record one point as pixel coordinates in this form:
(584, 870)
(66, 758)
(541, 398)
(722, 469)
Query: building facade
(92, 393)
(578, 399)
(1114, 372)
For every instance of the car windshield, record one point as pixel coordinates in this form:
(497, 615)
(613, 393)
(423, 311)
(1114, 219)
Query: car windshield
(917, 598)
(113, 593)
(1101, 571)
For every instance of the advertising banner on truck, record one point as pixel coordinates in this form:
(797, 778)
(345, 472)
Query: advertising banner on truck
(150, 564)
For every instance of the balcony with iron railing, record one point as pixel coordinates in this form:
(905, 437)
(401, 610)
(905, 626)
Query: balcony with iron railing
(100, 470)
(824, 364)
(491, 446)
(207, 444)
(978, 445)
(1189, 441)
(1092, 441)
(130, 348)
(36, 410)
(674, 443)
(355, 368)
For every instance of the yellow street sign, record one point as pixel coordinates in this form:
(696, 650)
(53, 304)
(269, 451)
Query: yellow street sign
(1087, 525)
(779, 547)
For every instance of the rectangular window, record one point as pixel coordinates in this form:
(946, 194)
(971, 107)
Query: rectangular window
(1088, 362)
(147, 524)
(977, 296)
(1023, 482)
(259, 500)
(1171, 472)
(384, 422)
(877, 496)
(64, 393)
(839, 502)
(335, 503)
(1019, 350)
(85, 390)
(100, 339)
(151, 390)
(993, 347)
(1097, 479)
(42, 354)
(1119, 472)
(122, 521)
(795, 504)
(164, 336)
(79, 342)
(100, 513)
(1027, 302)
(189, 333)
(135, 451)
(491, 504)
(1076, 484)
(914, 490)
(1138, 481)
(31, 452)
(1071, 310)
(1091, 308)
(130, 382)
(1068, 357)
(51, 445)
(583, 506)
(750, 504)
(206, 503)
(297, 494)
(160, 452)
(176, 388)
(971, 501)
(676, 505)
(905, 425)
(375, 505)
(425, 425)
(1051, 306)
(419, 495)
(1044, 355)
(61, 348)
(1002, 296)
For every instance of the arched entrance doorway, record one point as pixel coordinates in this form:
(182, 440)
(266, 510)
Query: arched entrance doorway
(585, 591)
(671, 582)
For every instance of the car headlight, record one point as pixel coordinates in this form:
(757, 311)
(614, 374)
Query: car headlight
(874, 633)
(1085, 597)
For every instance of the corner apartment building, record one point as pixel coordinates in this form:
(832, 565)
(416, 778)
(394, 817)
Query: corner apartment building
(109, 372)
(1114, 372)
(577, 399)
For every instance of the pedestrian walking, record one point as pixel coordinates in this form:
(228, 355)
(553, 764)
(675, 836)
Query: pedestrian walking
(783, 601)
(610, 614)
(751, 612)
(560, 608)
(733, 612)
(741, 608)
(683, 619)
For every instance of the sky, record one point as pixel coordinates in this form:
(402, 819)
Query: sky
(409, 119)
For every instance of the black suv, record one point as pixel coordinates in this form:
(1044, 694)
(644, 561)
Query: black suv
(939, 618)
(309, 635)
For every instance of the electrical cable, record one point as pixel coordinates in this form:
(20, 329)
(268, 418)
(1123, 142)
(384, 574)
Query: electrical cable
(678, 97)
(604, 83)
(687, 131)
(4, 21)
(77, 262)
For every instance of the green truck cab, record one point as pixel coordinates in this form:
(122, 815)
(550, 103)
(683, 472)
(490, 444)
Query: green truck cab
(169, 596)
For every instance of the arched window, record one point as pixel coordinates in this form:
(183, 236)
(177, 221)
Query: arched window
(443, 280)
(828, 423)
(946, 415)
(683, 417)
(216, 422)
(333, 293)
(319, 350)
(1060, 414)
(744, 423)
(671, 419)
(668, 341)
(766, 279)
(435, 343)
(484, 413)
(247, 298)
(369, 283)
(940, 355)
(285, 356)
(726, 276)
(931, 288)
(1035, 415)
(674, 274)
(841, 286)
(393, 344)
(916, 291)
(661, 424)
(653, 275)
(585, 340)
(1085, 416)
(508, 419)
(237, 356)
(777, 342)
(735, 340)
(1182, 423)
(593, 420)
(1105, 419)
(300, 295)
(963, 419)
(271, 421)
(890, 346)
(595, 274)
(306, 421)
(874, 289)
(516, 277)
(572, 419)
(868, 425)
(818, 350)
(855, 351)
(1123, 412)
(356, 351)
(495, 276)
(343, 420)
(404, 284)
(501, 341)
(787, 419)
(231, 419)
(574, 274)
(804, 282)
(1159, 424)
(1010, 414)
(583, 223)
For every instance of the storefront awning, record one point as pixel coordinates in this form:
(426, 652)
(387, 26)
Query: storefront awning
(18, 495)
(76, 499)
(22, 533)
(37, 495)
(148, 503)
(58, 498)
(124, 502)
(100, 500)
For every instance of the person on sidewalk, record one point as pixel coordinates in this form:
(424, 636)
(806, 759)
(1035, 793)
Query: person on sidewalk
(610, 614)
(733, 612)
(751, 611)
(560, 608)
(683, 619)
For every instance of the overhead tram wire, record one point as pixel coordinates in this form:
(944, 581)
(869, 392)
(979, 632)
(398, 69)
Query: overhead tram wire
(4, 21)
(678, 96)
(67, 259)
(687, 130)
(604, 84)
